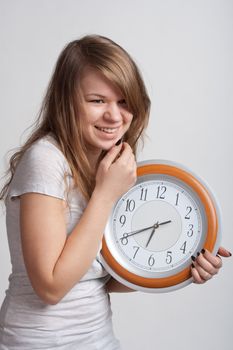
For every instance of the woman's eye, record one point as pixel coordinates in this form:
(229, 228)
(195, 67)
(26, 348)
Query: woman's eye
(122, 102)
(97, 101)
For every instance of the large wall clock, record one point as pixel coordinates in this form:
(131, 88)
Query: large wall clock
(166, 217)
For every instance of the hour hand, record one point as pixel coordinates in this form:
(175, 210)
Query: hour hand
(165, 222)
(152, 233)
(154, 228)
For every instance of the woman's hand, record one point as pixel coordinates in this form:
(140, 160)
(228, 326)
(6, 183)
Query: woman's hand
(206, 265)
(116, 173)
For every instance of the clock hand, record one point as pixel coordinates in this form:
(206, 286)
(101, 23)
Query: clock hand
(165, 222)
(152, 233)
(128, 234)
(132, 233)
(155, 227)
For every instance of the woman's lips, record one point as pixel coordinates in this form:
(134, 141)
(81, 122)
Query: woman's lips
(107, 130)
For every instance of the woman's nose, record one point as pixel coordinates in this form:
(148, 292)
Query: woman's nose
(112, 112)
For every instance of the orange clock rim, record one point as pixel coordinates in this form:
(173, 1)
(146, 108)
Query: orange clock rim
(211, 235)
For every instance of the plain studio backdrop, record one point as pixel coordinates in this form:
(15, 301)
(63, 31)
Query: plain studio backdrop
(185, 52)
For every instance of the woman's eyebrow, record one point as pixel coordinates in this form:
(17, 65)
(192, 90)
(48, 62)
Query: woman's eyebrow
(94, 94)
(100, 96)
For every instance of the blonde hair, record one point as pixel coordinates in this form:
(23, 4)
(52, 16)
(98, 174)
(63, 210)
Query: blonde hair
(59, 112)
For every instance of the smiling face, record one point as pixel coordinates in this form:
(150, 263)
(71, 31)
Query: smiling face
(104, 115)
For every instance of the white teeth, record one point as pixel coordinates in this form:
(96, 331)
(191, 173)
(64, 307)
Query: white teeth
(107, 130)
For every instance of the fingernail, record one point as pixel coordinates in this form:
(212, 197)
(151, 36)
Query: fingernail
(230, 253)
(118, 142)
(193, 258)
(203, 251)
(192, 266)
(198, 253)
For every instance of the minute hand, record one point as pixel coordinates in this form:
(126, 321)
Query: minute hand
(144, 229)
(137, 231)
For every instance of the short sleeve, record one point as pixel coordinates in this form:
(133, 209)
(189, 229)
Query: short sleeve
(42, 169)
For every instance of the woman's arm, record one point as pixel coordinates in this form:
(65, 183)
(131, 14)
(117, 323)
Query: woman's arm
(113, 286)
(55, 262)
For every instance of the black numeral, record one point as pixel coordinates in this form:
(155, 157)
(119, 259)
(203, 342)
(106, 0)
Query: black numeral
(161, 191)
(143, 194)
(130, 205)
(169, 257)
(183, 247)
(177, 198)
(151, 260)
(137, 249)
(190, 231)
(189, 209)
(122, 220)
(124, 239)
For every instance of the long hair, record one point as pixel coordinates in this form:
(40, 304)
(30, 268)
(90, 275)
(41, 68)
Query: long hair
(59, 113)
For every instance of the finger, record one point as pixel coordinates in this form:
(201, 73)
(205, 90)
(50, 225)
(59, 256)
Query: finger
(206, 265)
(216, 261)
(126, 153)
(111, 156)
(204, 275)
(196, 277)
(127, 159)
(224, 252)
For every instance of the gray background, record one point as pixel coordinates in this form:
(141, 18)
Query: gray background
(185, 52)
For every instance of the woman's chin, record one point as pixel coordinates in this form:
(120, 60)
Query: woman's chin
(106, 146)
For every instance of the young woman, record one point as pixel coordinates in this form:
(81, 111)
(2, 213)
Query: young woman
(63, 184)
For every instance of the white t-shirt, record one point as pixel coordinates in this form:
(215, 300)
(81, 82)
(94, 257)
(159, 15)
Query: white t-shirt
(82, 319)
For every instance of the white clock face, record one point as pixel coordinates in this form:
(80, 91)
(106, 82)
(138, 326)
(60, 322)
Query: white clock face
(156, 227)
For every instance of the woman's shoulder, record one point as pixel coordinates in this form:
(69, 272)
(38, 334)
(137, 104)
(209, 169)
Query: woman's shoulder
(45, 152)
(46, 144)
(42, 168)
